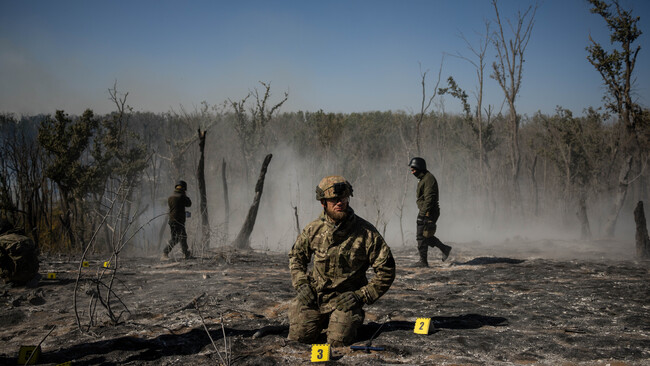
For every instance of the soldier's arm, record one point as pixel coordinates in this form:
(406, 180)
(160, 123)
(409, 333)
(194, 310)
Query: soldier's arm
(188, 201)
(299, 258)
(431, 199)
(383, 263)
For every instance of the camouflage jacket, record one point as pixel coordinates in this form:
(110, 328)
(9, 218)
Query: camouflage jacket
(342, 255)
(427, 196)
(177, 203)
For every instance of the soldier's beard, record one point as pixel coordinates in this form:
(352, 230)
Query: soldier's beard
(336, 215)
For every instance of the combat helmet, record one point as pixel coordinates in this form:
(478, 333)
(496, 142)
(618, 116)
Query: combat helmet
(418, 164)
(333, 186)
(181, 185)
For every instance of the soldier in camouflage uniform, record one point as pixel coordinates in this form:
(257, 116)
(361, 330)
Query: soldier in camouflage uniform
(428, 212)
(177, 203)
(344, 246)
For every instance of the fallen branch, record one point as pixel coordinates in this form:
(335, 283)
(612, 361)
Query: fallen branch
(191, 304)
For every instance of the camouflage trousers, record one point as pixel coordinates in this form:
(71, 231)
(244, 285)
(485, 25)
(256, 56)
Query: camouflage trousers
(306, 324)
(178, 235)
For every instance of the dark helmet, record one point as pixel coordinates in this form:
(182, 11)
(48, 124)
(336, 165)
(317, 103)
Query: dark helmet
(333, 186)
(418, 164)
(181, 186)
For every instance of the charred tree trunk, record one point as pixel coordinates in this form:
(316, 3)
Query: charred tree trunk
(200, 175)
(243, 238)
(295, 213)
(620, 196)
(226, 202)
(642, 239)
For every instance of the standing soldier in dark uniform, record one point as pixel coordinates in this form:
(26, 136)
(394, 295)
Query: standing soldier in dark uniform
(331, 295)
(429, 211)
(177, 203)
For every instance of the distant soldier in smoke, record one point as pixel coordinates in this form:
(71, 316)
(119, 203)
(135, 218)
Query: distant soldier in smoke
(429, 211)
(344, 246)
(177, 214)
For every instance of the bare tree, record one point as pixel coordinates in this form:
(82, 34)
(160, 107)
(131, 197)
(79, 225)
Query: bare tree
(251, 127)
(425, 105)
(508, 72)
(616, 69)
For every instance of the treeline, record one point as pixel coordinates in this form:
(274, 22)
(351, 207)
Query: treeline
(62, 173)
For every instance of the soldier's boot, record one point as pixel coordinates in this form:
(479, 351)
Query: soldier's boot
(446, 249)
(422, 263)
(188, 254)
(164, 257)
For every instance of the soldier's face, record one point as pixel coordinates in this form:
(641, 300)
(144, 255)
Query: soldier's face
(413, 171)
(336, 207)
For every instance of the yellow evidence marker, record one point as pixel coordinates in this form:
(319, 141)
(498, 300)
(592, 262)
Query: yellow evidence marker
(85, 264)
(320, 352)
(51, 276)
(25, 352)
(422, 326)
(107, 264)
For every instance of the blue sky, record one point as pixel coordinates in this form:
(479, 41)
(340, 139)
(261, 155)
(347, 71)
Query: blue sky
(339, 56)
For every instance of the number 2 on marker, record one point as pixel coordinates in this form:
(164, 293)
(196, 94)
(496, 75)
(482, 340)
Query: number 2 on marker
(422, 326)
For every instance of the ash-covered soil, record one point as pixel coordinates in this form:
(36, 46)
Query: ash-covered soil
(518, 303)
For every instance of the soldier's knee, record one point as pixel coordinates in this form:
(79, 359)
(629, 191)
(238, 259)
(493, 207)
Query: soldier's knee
(343, 326)
(305, 324)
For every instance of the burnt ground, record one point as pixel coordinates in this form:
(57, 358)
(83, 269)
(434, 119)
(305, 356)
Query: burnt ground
(492, 305)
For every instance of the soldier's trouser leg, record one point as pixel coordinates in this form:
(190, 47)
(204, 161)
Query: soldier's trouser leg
(174, 238)
(436, 243)
(305, 323)
(343, 326)
(178, 235)
(182, 236)
(422, 241)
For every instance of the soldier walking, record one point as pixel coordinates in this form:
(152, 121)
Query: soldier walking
(177, 215)
(429, 211)
(331, 295)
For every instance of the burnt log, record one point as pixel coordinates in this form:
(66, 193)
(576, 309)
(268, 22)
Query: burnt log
(242, 241)
(642, 239)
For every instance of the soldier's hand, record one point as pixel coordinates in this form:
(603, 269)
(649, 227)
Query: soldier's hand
(347, 300)
(306, 294)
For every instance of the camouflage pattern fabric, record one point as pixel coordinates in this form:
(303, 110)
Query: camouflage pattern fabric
(18, 258)
(306, 324)
(333, 186)
(342, 254)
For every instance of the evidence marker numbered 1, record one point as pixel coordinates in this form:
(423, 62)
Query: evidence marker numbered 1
(51, 276)
(422, 326)
(320, 352)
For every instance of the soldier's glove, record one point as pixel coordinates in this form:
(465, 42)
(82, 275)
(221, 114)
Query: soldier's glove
(306, 294)
(347, 300)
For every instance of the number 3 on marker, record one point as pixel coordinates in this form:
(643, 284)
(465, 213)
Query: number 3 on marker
(320, 352)
(422, 326)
